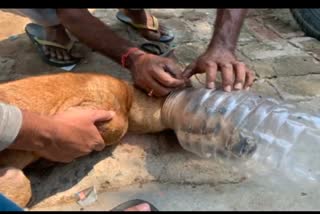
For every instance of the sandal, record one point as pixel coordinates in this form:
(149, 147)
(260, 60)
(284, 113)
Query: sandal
(166, 36)
(155, 49)
(36, 35)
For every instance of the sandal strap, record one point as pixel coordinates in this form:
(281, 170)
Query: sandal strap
(155, 26)
(54, 44)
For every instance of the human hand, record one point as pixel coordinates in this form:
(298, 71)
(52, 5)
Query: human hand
(156, 75)
(235, 74)
(64, 136)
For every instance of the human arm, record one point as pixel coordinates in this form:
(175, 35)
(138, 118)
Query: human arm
(150, 72)
(220, 54)
(62, 137)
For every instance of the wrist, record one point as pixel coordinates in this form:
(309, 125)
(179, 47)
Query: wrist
(218, 49)
(35, 131)
(130, 57)
(223, 44)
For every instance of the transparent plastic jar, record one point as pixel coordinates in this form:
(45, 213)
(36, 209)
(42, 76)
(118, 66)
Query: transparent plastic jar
(246, 129)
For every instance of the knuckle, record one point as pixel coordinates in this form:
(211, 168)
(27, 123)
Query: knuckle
(240, 64)
(167, 81)
(207, 63)
(226, 66)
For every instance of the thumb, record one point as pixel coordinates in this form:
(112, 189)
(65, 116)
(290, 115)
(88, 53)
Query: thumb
(173, 69)
(189, 71)
(102, 115)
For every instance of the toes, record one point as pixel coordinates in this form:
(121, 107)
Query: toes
(56, 53)
(152, 35)
(164, 30)
(66, 55)
(59, 54)
(52, 52)
(46, 50)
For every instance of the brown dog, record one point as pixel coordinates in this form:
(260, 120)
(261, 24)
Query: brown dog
(49, 94)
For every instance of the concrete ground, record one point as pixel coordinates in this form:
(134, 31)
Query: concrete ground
(248, 195)
(155, 167)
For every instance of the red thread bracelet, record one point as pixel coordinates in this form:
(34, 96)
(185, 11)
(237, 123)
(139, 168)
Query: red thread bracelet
(125, 56)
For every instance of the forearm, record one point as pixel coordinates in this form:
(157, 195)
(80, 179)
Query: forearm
(94, 33)
(227, 28)
(10, 124)
(34, 130)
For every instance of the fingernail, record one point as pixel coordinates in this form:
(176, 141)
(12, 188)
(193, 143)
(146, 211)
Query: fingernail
(238, 86)
(211, 85)
(143, 207)
(247, 89)
(227, 88)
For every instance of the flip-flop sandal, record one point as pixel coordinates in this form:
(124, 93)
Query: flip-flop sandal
(151, 48)
(132, 203)
(166, 36)
(36, 34)
(155, 49)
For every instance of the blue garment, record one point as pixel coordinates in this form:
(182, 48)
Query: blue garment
(8, 205)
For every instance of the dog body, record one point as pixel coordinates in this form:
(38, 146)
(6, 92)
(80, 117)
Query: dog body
(50, 94)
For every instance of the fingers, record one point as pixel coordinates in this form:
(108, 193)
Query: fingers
(240, 73)
(211, 74)
(249, 79)
(210, 69)
(102, 115)
(173, 69)
(99, 144)
(169, 75)
(235, 74)
(62, 157)
(189, 71)
(238, 77)
(161, 78)
(157, 76)
(95, 144)
(148, 84)
(227, 77)
(157, 89)
(166, 79)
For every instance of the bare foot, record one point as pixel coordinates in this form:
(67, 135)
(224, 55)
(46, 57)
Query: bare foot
(142, 17)
(58, 35)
